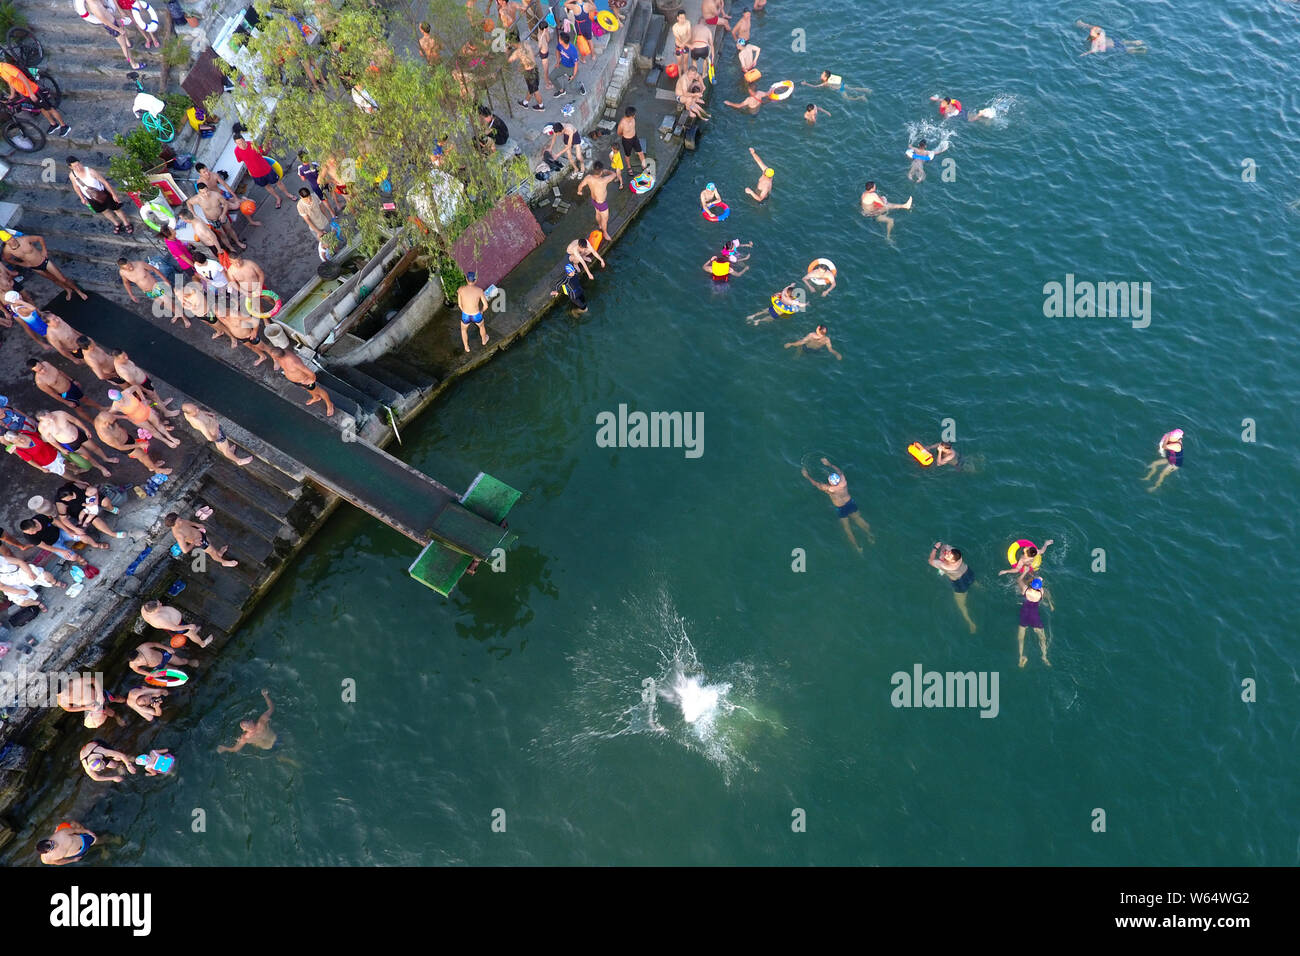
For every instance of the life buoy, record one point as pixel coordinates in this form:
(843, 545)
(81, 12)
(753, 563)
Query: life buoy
(780, 307)
(786, 88)
(170, 677)
(252, 307)
(79, 6)
(723, 211)
(919, 452)
(1013, 555)
(594, 239)
(145, 17)
(584, 46)
(608, 22)
(642, 183)
(823, 264)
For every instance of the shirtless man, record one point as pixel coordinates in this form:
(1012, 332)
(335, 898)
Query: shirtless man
(1098, 42)
(59, 386)
(295, 370)
(191, 535)
(73, 436)
(169, 619)
(572, 144)
(598, 181)
(473, 305)
(713, 14)
(763, 188)
(430, 45)
(748, 57)
(821, 276)
(192, 228)
(248, 330)
(247, 276)
(138, 273)
(817, 339)
(147, 701)
(29, 252)
(133, 374)
(100, 363)
(959, 573)
(782, 305)
(258, 733)
(628, 139)
(690, 93)
(701, 46)
(752, 101)
(740, 30)
(62, 337)
(209, 426)
(68, 844)
(86, 695)
(212, 208)
(835, 82)
(9, 280)
(196, 301)
(97, 759)
(682, 41)
(115, 436)
(837, 489)
(581, 252)
(151, 656)
(709, 197)
(876, 206)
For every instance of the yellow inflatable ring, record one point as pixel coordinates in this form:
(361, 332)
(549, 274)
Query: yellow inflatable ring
(822, 263)
(608, 22)
(786, 87)
(254, 309)
(1013, 555)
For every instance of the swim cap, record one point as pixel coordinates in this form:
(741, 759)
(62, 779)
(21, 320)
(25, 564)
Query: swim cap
(1176, 434)
(769, 172)
(740, 42)
(833, 479)
(471, 276)
(710, 186)
(569, 269)
(1036, 584)
(12, 296)
(114, 394)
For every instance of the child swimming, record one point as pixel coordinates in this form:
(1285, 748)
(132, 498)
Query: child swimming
(835, 82)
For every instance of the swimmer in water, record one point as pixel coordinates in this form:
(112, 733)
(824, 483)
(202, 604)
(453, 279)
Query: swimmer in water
(258, 732)
(987, 113)
(920, 156)
(944, 455)
(1031, 560)
(876, 206)
(750, 104)
(959, 574)
(782, 305)
(812, 111)
(816, 339)
(1171, 451)
(764, 184)
(709, 197)
(831, 81)
(837, 488)
(1098, 42)
(822, 276)
(722, 266)
(1033, 593)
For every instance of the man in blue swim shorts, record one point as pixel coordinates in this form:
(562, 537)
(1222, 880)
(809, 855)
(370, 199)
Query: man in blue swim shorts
(951, 564)
(69, 844)
(473, 303)
(836, 487)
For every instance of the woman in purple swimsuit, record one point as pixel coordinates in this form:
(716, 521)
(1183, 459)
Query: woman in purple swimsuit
(1033, 593)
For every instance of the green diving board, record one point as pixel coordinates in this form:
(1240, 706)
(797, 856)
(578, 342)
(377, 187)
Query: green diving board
(466, 533)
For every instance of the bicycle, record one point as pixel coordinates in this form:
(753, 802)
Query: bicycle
(22, 48)
(22, 134)
(149, 109)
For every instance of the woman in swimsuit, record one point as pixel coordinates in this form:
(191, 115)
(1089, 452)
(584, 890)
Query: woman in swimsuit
(97, 759)
(1033, 593)
(1171, 456)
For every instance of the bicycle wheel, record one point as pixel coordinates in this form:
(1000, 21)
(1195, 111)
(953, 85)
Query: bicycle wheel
(25, 46)
(22, 135)
(50, 87)
(160, 126)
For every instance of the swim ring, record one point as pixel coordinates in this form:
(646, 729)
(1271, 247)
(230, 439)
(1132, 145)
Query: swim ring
(824, 264)
(145, 17)
(169, 677)
(911, 154)
(785, 86)
(252, 309)
(1013, 553)
(643, 183)
(608, 22)
(780, 308)
(723, 212)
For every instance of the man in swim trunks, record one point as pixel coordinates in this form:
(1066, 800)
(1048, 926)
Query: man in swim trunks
(169, 619)
(138, 273)
(147, 701)
(246, 329)
(99, 362)
(190, 535)
(248, 278)
(213, 209)
(682, 41)
(151, 656)
(920, 156)
(131, 402)
(68, 844)
(571, 287)
(209, 426)
(876, 206)
(115, 436)
(820, 276)
(258, 733)
(945, 455)
(751, 103)
(816, 339)
(628, 139)
(787, 302)
(701, 46)
(133, 374)
(59, 386)
(572, 144)
(581, 252)
(690, 93)
(812, 111)
(709, 197)
(837, 488)
(832, 81)
(1030, 616)
(713, 13)
(740, 31)
(295, 370)
(763, 189)
(1171, 451)
(62, 430)
(597, 182)
(950, 562)
(473, 303)
(430, 45)
(1098, 42)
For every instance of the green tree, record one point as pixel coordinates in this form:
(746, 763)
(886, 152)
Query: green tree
(371, 115)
